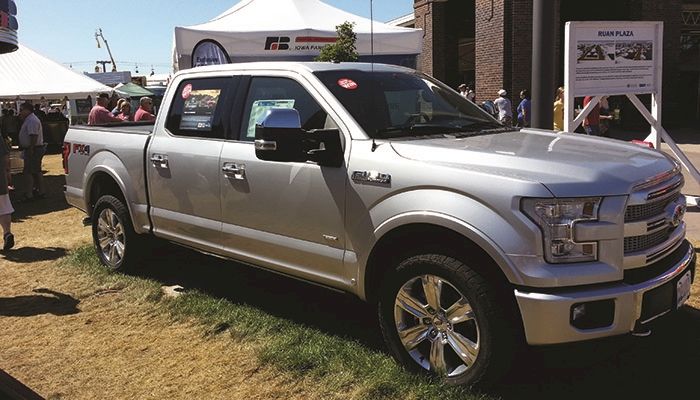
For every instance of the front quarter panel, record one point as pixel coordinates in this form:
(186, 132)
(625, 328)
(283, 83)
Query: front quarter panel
(481, 207)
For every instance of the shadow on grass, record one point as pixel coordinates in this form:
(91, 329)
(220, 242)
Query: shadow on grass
(54, 200)
(33, 254)
(624, 367)
(46, 301)
(331, 312)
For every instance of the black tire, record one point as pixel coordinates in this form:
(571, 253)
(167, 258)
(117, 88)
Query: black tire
(111, 223)
(489, 321)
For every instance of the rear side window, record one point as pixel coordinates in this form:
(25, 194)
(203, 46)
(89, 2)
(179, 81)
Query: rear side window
(273, 92)
(198, 108)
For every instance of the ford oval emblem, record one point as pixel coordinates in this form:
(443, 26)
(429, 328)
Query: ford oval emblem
(678, 214)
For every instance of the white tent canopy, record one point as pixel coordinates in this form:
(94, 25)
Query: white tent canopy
(288, 30)
(29, 76)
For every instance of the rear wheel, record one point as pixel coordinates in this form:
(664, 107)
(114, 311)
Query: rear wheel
(113, 234)
(441, 317)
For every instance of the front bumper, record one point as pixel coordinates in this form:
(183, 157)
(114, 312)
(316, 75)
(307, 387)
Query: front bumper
(547, 316)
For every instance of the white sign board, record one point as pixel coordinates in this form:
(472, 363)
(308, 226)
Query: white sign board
(613, 58)
(608, 58)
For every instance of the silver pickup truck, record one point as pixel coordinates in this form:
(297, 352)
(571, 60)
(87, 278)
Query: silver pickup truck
(470, 237)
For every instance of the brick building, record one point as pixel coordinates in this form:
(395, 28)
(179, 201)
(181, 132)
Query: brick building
(489, 42)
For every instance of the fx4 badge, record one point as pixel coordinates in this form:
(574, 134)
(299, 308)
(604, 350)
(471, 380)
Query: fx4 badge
(371, 177)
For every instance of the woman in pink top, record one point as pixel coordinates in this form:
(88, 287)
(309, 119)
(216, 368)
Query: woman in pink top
(125, 111)
(144, 113)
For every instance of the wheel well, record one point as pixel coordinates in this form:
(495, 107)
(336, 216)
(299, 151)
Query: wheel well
(101, 185)
(421, 238)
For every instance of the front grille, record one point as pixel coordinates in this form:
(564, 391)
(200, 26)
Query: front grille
(645, 211)
(639, 275)
(643, 242)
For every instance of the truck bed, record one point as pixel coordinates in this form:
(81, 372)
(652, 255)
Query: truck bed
(119, 151)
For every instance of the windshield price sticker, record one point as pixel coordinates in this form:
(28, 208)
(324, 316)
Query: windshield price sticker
(186, 91)
(348, 84)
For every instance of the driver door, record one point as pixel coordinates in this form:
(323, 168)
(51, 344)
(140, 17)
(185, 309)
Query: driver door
(290, 215)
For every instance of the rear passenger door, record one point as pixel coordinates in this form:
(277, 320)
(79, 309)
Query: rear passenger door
(183, 163)
(288, 216)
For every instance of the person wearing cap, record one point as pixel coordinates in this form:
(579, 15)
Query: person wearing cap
(463, 90)
(467, 92)
(504, 107)
(100, 115)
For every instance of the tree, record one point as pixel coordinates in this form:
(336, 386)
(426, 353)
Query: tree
(344, 47)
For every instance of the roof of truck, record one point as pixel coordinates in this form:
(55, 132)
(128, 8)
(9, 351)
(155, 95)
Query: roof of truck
(298, 66)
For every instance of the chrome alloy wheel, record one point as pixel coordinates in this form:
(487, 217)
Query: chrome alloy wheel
(110, 236)
(436, 325)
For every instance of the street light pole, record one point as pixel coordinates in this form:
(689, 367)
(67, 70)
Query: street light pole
(543, 41)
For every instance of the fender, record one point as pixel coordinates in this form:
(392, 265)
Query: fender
(451, 210)
(107, 162)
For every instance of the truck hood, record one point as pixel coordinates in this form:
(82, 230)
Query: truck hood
(567, 164)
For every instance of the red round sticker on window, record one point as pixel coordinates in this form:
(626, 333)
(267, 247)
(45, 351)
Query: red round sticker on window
(346, 83)
(186, 91)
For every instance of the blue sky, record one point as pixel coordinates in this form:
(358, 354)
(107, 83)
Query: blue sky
(138, 32)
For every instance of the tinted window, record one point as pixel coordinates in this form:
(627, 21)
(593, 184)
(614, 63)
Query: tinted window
(396, 104)
(198, 108)
(266, 93)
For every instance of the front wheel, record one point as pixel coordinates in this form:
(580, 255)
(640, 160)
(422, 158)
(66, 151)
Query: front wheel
(441, 317)
(113, 234)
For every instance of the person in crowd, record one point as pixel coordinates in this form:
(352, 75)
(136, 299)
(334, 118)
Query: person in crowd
(605, 116)
(471, 95)
(591, 124)
(524, 109)
(466, 92)
(39, 112)
(31, 141)
(504, 107)
(118, 108)
(6, 208)
(99, 114)
(559, 110)
(10, 125)
(144, 113)
(462, 90)
(125, 111)
(2, 122)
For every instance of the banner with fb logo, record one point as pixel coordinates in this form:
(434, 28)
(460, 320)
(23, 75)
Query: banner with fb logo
(8, 26)
(209, 52)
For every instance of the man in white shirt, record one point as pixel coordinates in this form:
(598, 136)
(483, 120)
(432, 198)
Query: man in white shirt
(504, 107)
(31, 141)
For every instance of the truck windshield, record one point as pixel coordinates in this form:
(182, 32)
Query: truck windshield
(405, 104)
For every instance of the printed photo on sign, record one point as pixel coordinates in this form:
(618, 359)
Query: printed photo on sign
(260, 107)
(595, 51)
(634, 51)
(199, 109)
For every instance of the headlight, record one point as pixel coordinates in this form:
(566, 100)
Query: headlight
(557, 218)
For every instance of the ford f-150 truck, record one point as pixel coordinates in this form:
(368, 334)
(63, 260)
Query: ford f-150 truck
(469, 236)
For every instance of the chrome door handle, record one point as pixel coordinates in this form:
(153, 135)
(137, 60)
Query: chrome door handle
(233, 170)
(159, 160)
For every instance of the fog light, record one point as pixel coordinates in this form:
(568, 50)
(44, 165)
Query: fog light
(593, 314)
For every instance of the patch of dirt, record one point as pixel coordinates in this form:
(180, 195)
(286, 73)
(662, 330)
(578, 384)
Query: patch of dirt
(66, 339)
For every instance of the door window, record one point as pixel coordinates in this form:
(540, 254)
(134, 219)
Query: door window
(197, 108)
(267, 92)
